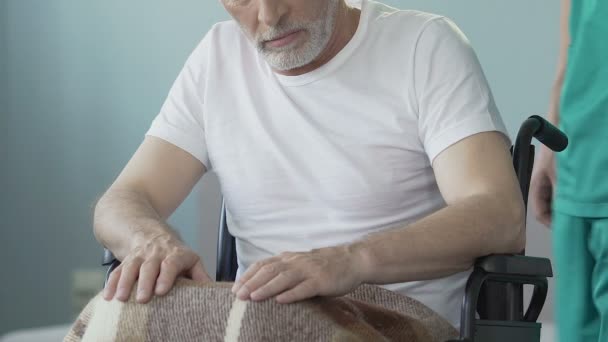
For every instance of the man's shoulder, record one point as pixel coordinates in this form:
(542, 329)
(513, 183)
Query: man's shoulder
(406, 26)
(408, 17)
(416, 24)
(224, 33)
(224, 40)
(226, 29)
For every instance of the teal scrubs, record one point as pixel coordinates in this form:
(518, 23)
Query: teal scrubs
(580, 222)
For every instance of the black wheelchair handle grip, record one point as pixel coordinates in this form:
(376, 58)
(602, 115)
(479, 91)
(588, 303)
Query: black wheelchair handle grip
(550, 135)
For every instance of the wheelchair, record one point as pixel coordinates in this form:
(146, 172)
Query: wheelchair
(493, 304)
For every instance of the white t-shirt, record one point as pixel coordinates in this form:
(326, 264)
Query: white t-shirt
(330, 156)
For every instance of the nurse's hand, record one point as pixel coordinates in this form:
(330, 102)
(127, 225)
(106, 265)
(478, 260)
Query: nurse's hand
(291, 277)
(154, 265)
(542, 186)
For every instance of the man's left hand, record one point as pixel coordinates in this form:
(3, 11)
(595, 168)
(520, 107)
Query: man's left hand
(292, 277)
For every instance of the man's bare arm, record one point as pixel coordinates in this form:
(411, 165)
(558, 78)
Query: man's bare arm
(130, 220)
(484, 215)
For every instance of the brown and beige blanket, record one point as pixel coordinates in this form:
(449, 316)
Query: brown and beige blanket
(210, 312)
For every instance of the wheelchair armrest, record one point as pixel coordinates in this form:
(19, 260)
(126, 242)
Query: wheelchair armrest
(509, 264)
(508, 269)
(109, 260)
(108, 257)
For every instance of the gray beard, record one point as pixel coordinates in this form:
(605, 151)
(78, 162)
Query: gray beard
(289, 58)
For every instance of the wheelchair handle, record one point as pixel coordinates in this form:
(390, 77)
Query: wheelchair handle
(548, 134)
(523, 150)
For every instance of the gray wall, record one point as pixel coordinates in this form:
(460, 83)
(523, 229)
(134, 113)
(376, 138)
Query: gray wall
(83, 81)
(3, 78)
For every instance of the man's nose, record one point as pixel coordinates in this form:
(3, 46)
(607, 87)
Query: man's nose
(271, 12)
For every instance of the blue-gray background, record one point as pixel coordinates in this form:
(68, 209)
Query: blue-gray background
(80, 82)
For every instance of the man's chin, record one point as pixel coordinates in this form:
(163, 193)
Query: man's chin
(282, 66)
(286, 60)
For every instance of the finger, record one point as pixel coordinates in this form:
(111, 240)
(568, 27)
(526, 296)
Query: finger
(541, 202)
(170, 268)
(112, 283)
(252, 271)
(261, 278)
(548, 214)
(147, 280)
(543, 216)
(304, 290)
(544, 210)
(548, 221)
(279, 284)
(128, 276)
(198, 273)
(544, 219)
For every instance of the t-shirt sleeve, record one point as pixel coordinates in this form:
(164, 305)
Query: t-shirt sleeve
(181, 118)
(454, 99)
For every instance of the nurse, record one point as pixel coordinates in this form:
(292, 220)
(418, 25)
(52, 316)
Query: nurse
(570, 190)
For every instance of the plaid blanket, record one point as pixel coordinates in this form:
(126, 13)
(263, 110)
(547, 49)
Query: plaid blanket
(210, 312)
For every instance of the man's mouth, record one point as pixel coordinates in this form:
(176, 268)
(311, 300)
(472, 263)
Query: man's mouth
(284, 40)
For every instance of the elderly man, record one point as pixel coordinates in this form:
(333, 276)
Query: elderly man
(352, 146)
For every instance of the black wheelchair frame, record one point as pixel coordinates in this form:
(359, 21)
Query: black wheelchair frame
(494, 290)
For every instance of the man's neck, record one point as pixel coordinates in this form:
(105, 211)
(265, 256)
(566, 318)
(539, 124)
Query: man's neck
(347, 22)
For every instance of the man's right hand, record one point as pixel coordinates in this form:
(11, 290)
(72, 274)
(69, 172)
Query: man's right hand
(542, 186)
(154, 265)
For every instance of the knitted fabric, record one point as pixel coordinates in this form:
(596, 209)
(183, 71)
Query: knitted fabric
(210, 312)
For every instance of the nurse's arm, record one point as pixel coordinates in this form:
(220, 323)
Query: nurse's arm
(553, 115)
(484, 215)
(543, 181)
